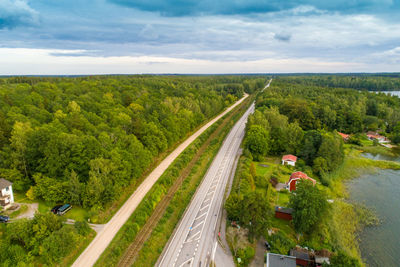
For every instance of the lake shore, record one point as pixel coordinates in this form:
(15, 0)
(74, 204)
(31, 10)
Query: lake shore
(367, 187)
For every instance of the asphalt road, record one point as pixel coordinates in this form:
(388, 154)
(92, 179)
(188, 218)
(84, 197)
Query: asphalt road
(103, 238)
(194, 242)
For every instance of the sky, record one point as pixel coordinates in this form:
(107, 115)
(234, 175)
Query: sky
(60, 37)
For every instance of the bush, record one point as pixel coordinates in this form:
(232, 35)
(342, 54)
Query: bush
(341, 259)
(280, 243)
(82, 228)
(246, 255)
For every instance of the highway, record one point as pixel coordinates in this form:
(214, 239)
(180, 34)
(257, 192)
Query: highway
(105, 235)
(266, 85)
(194, 242)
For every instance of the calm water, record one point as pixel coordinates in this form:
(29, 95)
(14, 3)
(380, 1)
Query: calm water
(380, 245)
(380, 157)
(392, 93)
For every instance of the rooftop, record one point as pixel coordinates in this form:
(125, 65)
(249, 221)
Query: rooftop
(300, 254)
(4, 183)
(345, 136)
(284, 209)
(300, 175)
(277, 260)
(289, 157)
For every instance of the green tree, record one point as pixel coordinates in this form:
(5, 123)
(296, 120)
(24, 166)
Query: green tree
(19, 138)
(309, 206)
(256, 141)
(255, 213)
(75, 188)
(311, 143)
(332, 151)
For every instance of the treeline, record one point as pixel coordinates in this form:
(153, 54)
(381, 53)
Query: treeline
(84, 139)
(347, 111)
(45, 239)
(359, 82)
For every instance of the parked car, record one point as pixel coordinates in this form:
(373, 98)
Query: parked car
(56, 208)
(267, 245)
(63, 209)
(4, 219)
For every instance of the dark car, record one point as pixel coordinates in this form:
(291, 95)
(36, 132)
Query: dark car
(267, 245)
(4, 219)
(55, 209)
(63, 209)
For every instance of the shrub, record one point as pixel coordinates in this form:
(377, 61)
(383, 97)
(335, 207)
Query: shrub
(280, 243)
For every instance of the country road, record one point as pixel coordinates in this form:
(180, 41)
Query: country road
(194, 242)
(105, 235)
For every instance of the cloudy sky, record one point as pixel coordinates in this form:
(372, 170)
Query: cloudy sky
(198, 36)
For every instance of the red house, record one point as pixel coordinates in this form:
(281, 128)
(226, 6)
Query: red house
(344, 136)
(283, 213)
(295, 177)
(289, 160)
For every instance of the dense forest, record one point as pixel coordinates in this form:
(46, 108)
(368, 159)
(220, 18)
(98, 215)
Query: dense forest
(321, 108)
(356, 81)
(82, 140)
(303, 119)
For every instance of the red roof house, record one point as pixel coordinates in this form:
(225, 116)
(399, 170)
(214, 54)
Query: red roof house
(289, 160)
(297, 176)
(344, 136)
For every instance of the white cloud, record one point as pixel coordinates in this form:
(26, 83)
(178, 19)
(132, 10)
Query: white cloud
(39, 62)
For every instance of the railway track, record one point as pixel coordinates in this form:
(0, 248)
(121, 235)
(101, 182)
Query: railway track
(133, 250)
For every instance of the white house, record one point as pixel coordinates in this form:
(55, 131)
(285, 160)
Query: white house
(289, 160)
(6, 193)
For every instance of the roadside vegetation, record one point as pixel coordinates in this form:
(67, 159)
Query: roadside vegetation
(296, 117)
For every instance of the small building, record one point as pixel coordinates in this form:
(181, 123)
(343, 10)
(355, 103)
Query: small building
(344, 136)
(302, 257)
(289, 160)
(278, 260)
(380, 138)
(283, 213)
(6, 193)
(295, 178)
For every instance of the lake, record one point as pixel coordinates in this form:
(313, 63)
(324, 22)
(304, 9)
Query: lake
(397, 93)
(380, 157)
(380, 191)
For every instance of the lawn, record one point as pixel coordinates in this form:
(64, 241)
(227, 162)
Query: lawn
(283, 198)
(20, 197)
(77, 214)
(284, 226)
(263, 170)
